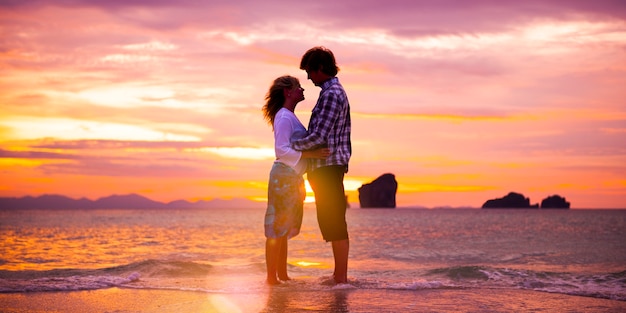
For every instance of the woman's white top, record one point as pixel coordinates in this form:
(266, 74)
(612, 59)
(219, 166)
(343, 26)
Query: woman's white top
(287, 127)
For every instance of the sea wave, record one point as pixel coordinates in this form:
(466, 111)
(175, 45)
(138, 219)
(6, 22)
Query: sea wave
(185, 275)
(608, 285)
(90, 279)
(64, 283)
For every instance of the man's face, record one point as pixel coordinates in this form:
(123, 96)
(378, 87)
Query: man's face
(317, 77)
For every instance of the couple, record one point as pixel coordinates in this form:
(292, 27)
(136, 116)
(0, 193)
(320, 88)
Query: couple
(323, 152)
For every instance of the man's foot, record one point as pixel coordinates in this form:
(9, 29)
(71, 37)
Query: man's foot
(340, 281)
(332, 281)
(328, 281)
(284, 278)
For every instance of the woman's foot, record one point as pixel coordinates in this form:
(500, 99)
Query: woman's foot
(272, 281)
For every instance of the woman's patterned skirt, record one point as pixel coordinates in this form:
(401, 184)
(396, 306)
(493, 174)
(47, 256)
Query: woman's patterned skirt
(285, 200)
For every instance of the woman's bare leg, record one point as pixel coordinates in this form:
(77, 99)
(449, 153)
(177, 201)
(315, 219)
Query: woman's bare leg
(272, 252)
(281, 268)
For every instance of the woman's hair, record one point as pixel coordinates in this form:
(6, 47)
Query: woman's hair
(275, 97)
(319, 58)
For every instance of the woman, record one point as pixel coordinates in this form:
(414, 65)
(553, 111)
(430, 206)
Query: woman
(286, 193)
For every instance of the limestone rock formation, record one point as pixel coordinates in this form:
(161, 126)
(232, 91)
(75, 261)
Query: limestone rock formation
(511, 201)
(380, 193)
(554, 202)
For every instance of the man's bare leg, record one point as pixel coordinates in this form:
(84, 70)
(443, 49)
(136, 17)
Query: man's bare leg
(340, 252)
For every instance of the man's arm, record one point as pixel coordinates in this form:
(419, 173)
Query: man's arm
(322, 120)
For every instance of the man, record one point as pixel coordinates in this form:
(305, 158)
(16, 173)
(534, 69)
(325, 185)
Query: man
(329, 126)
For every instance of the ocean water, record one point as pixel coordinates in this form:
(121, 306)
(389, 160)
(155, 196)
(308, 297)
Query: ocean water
(221, 251)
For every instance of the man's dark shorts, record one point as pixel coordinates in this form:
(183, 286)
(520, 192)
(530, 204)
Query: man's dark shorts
(330, 200)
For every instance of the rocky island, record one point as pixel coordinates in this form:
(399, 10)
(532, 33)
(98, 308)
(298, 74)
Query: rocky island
(554, 202)
(515, 200)
(380, 193)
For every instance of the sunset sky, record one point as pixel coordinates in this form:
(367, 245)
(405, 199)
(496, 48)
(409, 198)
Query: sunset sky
(463, 101)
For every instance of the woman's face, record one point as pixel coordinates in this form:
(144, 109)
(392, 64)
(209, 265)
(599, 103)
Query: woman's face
(297, 94)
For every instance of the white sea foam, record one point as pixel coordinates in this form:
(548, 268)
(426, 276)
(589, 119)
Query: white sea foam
(417, 285)
(70, 283)
(343, 286)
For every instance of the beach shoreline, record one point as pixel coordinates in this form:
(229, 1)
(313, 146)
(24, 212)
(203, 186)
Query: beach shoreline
(283, 299)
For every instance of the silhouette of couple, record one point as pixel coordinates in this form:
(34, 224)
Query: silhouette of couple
(322, 151)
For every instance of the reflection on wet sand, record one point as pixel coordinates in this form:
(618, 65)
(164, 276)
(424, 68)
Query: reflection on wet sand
(284, 300)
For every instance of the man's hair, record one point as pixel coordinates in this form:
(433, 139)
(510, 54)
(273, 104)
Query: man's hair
(319, 58)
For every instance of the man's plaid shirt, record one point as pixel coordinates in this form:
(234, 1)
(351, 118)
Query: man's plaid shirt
(329, 126)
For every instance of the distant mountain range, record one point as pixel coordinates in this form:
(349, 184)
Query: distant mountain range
(130, 201)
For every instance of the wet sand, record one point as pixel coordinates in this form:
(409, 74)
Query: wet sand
(286, 300)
